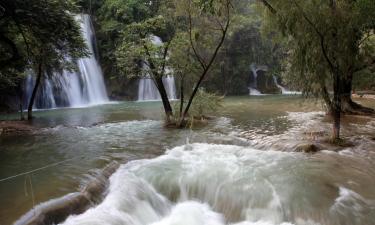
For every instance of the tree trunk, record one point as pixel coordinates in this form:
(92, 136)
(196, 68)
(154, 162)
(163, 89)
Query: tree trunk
(35, 90)
(181, 95)
(20, 99)
(348, 105)
(336, 106)
(164, 97)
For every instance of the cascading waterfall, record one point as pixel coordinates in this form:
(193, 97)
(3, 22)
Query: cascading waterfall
(147, 90)
(211, 184)
(254, 85)
(73, 89)
(284, 90)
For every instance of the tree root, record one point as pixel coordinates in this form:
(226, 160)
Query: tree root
(352, 108)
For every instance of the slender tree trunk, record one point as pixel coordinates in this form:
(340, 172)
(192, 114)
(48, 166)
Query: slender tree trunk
(21, 106)
(20, 99)
(181, 95)
(336, 106)
(164, 97)
(206, 66)
(35, 90)
(158, 79)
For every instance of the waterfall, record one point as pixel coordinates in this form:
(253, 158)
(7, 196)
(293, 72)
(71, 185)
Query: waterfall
(72, 89)
(284, 90)
(147, 90)
(254, 85)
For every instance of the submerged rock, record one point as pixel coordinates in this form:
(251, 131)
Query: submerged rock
(15, 127)
(307, 148)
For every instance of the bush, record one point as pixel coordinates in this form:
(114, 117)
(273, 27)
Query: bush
(203, 104)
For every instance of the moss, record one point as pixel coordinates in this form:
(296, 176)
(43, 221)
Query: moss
(341, 142)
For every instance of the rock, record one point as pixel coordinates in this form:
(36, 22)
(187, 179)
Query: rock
(57, 210)
(307, 148)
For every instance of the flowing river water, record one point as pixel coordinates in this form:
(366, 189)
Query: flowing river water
(240, 169)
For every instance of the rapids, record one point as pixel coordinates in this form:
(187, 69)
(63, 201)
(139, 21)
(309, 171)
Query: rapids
(225, 184)
(240, 169)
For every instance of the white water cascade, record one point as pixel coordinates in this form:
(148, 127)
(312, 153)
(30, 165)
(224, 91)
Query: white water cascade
(211, 184)
(284, 90)
(147, 90)
(254, 85)
(78, 89)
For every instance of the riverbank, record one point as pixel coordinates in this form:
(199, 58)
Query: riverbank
(368, 96)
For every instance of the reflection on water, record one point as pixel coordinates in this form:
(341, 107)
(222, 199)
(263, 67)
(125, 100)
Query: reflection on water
(213, 184)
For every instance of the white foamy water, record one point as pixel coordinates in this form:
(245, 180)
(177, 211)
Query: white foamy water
(224, 184)
(73, 89)
(254, 85)
(284, 90)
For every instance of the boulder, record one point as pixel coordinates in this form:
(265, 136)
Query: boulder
(57, 210)
(307, 148)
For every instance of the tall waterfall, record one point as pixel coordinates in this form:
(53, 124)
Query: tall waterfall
(66, 89)
(147, 90)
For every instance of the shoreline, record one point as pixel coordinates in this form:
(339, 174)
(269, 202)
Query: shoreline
(16, 127)
(366, 96)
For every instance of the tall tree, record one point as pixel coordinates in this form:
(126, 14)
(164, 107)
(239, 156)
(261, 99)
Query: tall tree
(204, 18)
(46, 32)
(141, 55)
(324, 40)
(204, 24)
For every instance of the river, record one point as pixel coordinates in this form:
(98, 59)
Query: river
(240, 169)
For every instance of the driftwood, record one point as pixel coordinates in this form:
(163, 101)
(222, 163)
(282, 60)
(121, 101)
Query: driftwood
(57, 210)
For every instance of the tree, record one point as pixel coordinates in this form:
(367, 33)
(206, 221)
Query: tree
(140, 56)
(213, 17)
(324, 40)
(174, 21)
(46, 32)
(111, 18)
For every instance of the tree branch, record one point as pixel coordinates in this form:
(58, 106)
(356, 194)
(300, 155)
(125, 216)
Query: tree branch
(321, 36)
(269, 6)
(205, 71)
(200, 60)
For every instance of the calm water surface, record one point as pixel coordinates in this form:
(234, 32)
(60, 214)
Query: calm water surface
(239, 169)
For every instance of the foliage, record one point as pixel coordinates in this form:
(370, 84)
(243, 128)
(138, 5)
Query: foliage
(138, 48)
(203, 104)
(324, 46)
(38, 29)
(111, 18)
(230, 72)
(37, 36)
(307, 26)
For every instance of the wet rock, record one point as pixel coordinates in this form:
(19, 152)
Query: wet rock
(15, 127)
(57, 210)
(307, 148)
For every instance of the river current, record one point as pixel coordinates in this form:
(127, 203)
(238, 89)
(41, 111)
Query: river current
(240, 169)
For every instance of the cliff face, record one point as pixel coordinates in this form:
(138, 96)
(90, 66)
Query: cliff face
(266, 83)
